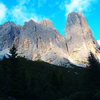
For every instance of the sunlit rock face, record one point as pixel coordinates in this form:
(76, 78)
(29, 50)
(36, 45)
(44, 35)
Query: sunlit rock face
(47, 23)
(42, 41)
(80, 39)
(35, 41)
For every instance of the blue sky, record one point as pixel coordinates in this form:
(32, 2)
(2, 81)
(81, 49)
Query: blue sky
(20, 11)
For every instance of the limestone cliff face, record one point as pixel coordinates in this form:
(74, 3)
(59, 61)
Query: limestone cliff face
(41, 40)
(80, 39)
(47, 23)
(35, 41)
(9, 33)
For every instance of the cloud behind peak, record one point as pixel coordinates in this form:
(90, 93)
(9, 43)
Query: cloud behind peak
(78, 5)
(3, 11)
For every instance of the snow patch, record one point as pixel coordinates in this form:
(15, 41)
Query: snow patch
(4, 53)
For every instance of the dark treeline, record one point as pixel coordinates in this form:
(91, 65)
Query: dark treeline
(22, 79)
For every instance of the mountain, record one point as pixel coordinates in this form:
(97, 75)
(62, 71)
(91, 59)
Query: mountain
(80, 40)
(35, 41)
(42, 41)
(9, 34)
(37, 80)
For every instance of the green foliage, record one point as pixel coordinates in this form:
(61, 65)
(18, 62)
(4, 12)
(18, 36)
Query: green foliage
(38, 80)
(81, 96)
(13, 53)
(97, 95)
(93, 73)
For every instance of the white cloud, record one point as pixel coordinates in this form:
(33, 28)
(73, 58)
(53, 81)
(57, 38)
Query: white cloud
(22, 2)
(78, 5)
(21, 13)
(3, 11)
(98, 42)
(18, 15)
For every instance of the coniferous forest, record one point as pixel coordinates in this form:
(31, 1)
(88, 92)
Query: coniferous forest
(22, 79)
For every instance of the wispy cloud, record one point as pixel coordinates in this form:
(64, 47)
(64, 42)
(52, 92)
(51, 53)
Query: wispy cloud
(22, 2)
(3, 12)
(19, 13)
(78, 5)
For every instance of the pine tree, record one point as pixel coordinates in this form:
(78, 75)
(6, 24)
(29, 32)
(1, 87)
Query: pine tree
(14, 70)
(93, 61)
(13, 53)
(93, 72)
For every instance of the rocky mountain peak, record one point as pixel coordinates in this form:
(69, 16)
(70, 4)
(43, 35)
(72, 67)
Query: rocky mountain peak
(34, 20)
(9, 33)
(47, 23)
(8, 24)
(41, 40)
(30, 22)
(79, 37)
(77, 20)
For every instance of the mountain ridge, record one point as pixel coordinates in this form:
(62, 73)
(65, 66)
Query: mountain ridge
(41, 40)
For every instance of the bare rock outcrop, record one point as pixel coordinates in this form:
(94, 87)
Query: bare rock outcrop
(42, 41)
(35, 41)
(80, 39)
(9, 33)
(47, 23)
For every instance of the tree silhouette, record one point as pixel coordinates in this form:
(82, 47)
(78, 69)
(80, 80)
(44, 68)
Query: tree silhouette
(93, 74)
(93, 61)
(13, 53)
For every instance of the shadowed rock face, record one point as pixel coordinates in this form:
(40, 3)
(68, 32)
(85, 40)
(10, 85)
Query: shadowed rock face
(80, 39)
(9, 33)
(41, 40)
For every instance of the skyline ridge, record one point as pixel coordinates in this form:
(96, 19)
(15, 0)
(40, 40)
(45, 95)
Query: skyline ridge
(56, 11)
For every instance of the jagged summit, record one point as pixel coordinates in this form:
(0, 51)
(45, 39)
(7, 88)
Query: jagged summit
(47, 23)
(41, 40)
(9, 33)
(79, 37)
(77, 19)
(9, 24)
(32, 19)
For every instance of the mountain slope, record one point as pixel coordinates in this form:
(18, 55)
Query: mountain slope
(22, 79)
(42, 41)
(80, 39)
(9, 34)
